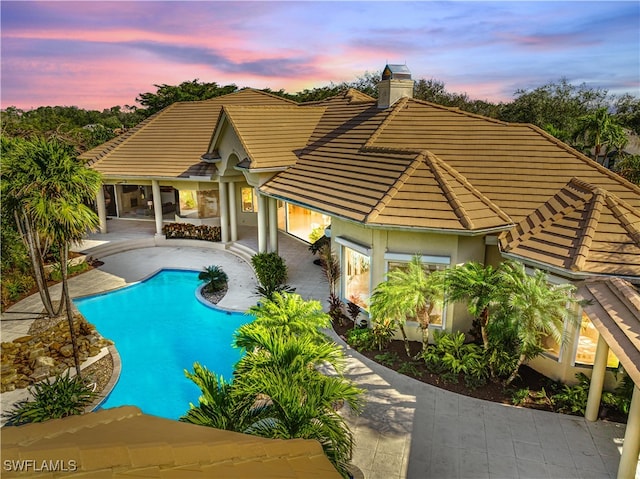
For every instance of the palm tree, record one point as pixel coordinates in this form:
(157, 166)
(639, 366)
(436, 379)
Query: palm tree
(47, 189)
(279, 391)
(479, 286)
(600, 131)
(292, 313)
(214, 277)
(409, 292)
(534, 309)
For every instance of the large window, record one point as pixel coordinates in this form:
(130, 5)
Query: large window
(587, 343)
(198, 204)
(357, 278)
(301, 222)
(429, 264)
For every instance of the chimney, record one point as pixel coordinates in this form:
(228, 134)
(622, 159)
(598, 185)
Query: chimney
(396, 83)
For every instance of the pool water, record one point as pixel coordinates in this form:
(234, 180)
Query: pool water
(160, 329)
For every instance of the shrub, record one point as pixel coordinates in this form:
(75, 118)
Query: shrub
(383, 331)
(450, 356)
(573, 399)
(14, 285)
(409, 369)
(215, 278)
(271, 271)
(387, 359)
(56, 274)
(63, 397)
(361, 339)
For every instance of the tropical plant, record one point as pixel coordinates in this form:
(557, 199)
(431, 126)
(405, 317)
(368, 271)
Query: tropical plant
(533, 309)
(217, 407)
(271, 271)
(279, 391)
(214, 277)
(64, 396)
(629, 168)
(573, 399)
(478, 285)
(361, 339)
(599, 131)
(292, 314)
(387, 359)
(46, 189)
(408, 368)
(408, 292)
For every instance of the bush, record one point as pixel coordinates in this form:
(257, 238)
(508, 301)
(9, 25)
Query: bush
(14, 285)
(383, 331)
(387, 359)
(63, 397)
(56, 274)
(215, 278)
(361, 339)
(573, 399)
(271, 271)
(450, 356)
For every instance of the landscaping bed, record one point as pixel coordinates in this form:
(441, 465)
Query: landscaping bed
(540, 387)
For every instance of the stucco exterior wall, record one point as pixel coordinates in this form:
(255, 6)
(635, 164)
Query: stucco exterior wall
(458, 248)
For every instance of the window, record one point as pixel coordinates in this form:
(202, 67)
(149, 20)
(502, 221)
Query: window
(357, 280)
(249, 200)
(587, 343)
(305, 224)
(430, 264)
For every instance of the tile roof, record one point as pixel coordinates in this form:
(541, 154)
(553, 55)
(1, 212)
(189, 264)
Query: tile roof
(582, 228)
(517, 166)
(171, 142)
(123, 442)
(614, 309)
(272, 135)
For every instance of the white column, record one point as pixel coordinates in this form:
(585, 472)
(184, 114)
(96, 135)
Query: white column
(224, 213)
(631, 445)
(273, 224)
(157, 205)
(262, 223)
(102, 210)
(597, 380)
(233, 211)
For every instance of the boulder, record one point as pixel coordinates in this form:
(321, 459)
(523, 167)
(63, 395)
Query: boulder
(45, 361)
(67, 350)
(40, 373)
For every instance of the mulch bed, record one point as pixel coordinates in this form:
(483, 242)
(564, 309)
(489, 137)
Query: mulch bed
(492, 391)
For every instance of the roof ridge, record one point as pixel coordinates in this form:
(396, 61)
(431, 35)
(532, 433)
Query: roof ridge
(614, 206)
(116, 142)
(262, 92)
(477, 193)
(394, 188)
(518, 235)
(223, 111)
(455, 109)
(394, 111)
(593, 217)
(581, 156)
(452, 198)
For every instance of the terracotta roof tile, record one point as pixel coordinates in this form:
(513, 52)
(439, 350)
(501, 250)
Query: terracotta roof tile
(582, 228)
(123, 442)
(272, 135)
(172, 141)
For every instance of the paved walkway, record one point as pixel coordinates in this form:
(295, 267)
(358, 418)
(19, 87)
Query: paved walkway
(408, 429)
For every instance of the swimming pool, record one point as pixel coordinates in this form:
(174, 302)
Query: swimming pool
(160, 329)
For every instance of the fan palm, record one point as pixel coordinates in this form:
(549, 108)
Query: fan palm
(534, 309)
(408, 292)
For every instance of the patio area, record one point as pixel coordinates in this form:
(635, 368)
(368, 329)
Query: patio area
(408, 429)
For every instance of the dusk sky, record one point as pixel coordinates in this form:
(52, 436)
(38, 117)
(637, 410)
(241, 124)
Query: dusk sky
(97, 54)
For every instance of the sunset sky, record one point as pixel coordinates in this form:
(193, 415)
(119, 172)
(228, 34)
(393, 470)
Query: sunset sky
(97, 54)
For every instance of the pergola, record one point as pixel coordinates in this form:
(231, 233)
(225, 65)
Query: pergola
(614, 309)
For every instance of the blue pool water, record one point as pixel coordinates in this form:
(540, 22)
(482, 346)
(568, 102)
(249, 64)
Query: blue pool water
(160, 329)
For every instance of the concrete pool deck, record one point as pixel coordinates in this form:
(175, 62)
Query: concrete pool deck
(408, 429)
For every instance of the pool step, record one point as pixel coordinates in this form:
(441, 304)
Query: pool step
(102, 250)
(242, 251)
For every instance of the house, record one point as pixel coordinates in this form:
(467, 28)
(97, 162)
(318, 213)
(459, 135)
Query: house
(392, 178)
